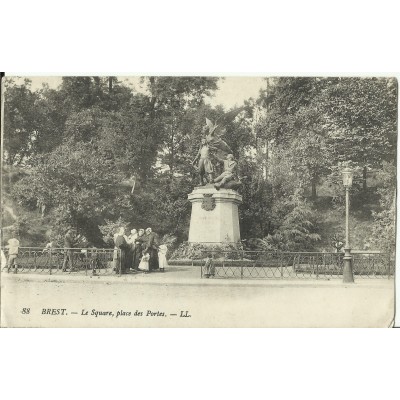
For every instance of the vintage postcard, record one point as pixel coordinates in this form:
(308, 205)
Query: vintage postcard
(198, 201)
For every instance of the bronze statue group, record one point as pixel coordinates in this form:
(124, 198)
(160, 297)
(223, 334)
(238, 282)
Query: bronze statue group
(214, 150)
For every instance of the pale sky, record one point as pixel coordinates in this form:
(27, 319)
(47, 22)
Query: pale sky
(231, 91)
(234, 90)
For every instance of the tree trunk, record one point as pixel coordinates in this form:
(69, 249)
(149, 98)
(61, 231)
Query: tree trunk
(364, 179)
(110, 84)
(153, 98)
(266, 160)
(314, 188)
(172, 157)
(261, 227)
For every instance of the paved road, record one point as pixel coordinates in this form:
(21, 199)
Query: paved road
(210, 303)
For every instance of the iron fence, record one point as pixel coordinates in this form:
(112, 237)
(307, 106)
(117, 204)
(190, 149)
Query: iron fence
(236, 264)
(65, 261)
(373, 265)
(287, 265)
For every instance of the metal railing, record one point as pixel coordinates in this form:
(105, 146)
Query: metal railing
(65, 261)
(373, 265)
(236, 264)
(287, 265)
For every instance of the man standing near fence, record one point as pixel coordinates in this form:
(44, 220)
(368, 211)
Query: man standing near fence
(69, 243)
(122, 256)
(209, 267)
(151, 247)
(13, 247)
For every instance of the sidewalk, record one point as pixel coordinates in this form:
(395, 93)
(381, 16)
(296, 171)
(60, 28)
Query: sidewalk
(161, 299)
(189, 275)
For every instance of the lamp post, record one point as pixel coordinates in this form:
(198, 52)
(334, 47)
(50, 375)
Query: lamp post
(348, 277)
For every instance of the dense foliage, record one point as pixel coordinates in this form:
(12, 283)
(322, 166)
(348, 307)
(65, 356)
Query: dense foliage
(93, 154)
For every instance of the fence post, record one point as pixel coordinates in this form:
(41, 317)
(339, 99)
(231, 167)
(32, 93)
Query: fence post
(341, 261)
(241, 271)
(120, 262)
(281, 263)
(51, 259)
(312, 258)
(323, 265)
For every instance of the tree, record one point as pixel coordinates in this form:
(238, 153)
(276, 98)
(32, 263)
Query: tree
(294, 122)
(384, 227)
(298, 231)
(171, 98)
(329, 121)
(361, 116)
(20, 121)
(76, 183)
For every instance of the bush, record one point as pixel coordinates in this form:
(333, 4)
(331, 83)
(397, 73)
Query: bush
(189, 251)
(109, 229)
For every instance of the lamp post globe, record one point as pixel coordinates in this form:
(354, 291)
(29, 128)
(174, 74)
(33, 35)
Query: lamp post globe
(347, 175)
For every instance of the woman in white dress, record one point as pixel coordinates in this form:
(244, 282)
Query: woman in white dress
(162, 257)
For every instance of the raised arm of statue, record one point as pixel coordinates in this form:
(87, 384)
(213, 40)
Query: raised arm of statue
(211, 127)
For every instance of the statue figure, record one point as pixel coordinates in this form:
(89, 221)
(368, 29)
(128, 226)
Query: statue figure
(205, 166)
(229, 174)
(219, 149)
(212, 150)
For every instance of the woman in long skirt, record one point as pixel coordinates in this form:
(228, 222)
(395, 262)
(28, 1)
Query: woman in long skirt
(131, 253)
(138, 252)
(162, 257)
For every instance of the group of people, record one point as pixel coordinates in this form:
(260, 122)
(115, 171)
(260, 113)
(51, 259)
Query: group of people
(139, 251)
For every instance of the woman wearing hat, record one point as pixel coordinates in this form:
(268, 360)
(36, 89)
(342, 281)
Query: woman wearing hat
(138, 251)
(151, 247)
(131, 254)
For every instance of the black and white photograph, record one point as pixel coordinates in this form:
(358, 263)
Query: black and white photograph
(198, 201)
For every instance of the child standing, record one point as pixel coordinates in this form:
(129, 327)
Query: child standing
(209, 266)
(144, 263)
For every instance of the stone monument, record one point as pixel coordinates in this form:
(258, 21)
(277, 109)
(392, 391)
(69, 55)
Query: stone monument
(215, 214)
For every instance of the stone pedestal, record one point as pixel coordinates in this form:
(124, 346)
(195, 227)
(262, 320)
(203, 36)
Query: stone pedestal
(215, 215)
